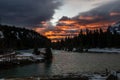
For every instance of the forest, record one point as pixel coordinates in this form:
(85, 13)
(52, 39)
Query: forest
(12, 37)
(90, 39)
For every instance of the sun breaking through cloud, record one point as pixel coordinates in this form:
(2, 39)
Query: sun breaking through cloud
(99, 17)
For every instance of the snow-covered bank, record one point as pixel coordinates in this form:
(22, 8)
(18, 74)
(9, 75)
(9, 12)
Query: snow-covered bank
(29, 56)
(21, 56)
(104, 50)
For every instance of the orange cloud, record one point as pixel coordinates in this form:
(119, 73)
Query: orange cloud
(86, 18)
(71, 28)
(115, 14)
(67, 21)
(89, 17)
(40, 30)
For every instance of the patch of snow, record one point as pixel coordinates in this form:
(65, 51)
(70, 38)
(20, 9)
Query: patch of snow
(95, 77)
(38, 58)
(29, 56)
(42, 50)
(74, 49)
(25, 54)
(19, 58)
(17, 35)
(12, 31)
(1, 60)
(118, 75)
(1, 34)
(107, 50)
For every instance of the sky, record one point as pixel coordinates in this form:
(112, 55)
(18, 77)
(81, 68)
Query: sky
(58, 19)
(27, 13)
(71, 8)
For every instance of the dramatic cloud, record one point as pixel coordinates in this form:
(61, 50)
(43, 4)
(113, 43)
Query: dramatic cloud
(99, 17)
(105, 13)
(71, 8)
(99, 14)
(27, 12)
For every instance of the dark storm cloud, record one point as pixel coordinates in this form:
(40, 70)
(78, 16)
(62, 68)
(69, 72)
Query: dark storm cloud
(27, 12)
(64, 18)
(106, 12)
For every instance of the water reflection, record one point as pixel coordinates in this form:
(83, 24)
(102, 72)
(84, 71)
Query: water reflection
(66, 62)
(39, 69)
(47, 67)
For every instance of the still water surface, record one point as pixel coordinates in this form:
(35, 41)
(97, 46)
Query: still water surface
(67, 62)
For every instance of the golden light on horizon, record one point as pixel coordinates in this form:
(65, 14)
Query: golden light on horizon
(86, 18)
(90, 17)
(67, 21)
(71, 28)
(114, 13)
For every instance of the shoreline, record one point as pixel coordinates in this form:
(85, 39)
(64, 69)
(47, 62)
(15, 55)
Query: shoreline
(8, 65)
(71, 76)
(97, 50)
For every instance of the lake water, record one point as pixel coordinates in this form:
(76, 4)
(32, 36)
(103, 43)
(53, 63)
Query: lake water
(67, 62)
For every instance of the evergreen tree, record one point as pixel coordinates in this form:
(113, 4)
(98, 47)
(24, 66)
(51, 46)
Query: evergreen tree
(48, 54)
(90, 39)
(20, 38)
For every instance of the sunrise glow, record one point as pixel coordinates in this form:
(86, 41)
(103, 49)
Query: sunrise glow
(69, 23)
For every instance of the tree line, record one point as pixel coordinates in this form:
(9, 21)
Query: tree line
(12, 37)
(90, 39)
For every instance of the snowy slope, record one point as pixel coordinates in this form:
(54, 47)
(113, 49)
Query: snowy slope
(104, 50)
(115, 27)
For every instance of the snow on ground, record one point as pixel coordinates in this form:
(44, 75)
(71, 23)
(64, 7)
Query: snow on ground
(1, 34)
(98, 77)
(105, 50)
(25, 54)
(29, 56)
(1, 60)
(118, 75)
